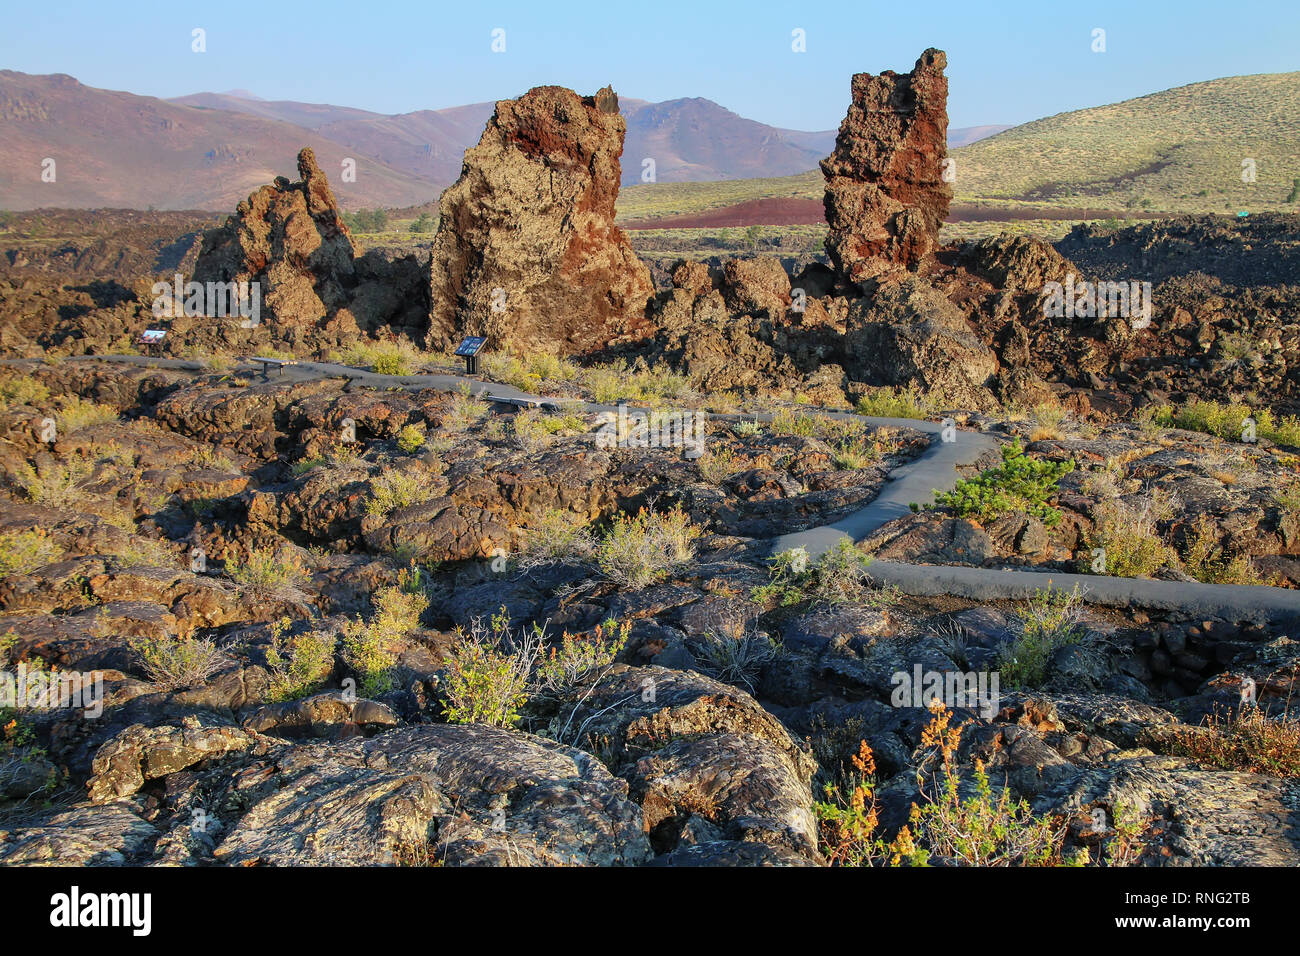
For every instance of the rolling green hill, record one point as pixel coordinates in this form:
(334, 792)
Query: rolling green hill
(1178, 150)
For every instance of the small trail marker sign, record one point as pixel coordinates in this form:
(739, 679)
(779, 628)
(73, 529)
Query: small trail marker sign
(469, 349)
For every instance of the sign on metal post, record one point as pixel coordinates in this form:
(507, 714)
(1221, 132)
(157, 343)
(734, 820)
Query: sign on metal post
(469, 348)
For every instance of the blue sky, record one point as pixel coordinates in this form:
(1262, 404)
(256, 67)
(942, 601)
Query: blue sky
(1009, 62)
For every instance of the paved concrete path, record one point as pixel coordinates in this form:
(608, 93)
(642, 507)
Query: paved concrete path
(1232, 602)
(916, 481)
(935, 470)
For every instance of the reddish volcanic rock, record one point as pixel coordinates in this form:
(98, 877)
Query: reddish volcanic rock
(885, 194)
(527, 252)
(291, 238)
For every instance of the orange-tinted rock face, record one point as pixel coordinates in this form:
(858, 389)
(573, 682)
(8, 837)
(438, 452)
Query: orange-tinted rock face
(291, 238)
(885, 193)
(527, 252)
(316, 291)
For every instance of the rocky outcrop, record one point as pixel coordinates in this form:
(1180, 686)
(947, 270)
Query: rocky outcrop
(738, 324)
(706, 762)
(1225, 247)
(1015, 263)
(885, 192)
(290, 238)
(527, 252)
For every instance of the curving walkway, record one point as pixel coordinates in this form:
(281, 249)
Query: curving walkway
(935, 470)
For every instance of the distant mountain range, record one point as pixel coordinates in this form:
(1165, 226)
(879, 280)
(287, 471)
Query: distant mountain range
(210, 150)
(117, 149)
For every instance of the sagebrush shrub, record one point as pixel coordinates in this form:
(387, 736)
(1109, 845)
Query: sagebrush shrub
(978, 829)
(385, 358)
(178, 662)
(557, 537)
(893, 403)
(1048, 621)
(22, 552)
(838, 577)
(1228, 420)
(720, 464)
(1130, 540)
(300, 665)
(23, 390)
(266, 571)
(465, 410)
(394, 490)
(410, 439)
(59, 484)
(643, 549)
(577, 656)
(951, 825)
(369, 648)
(77, 413)
(1206, 560)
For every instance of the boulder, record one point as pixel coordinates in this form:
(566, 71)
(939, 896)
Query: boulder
(693, 748)
(758, 285)
(140, 754)
(1015, 263)
(908, 334)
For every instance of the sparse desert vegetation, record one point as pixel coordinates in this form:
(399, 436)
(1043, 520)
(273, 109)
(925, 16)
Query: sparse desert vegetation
(799, 529)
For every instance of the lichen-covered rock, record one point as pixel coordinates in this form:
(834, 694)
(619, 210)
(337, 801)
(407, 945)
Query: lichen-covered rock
(527, 252)
(86, 835)
(463, 795)
(1206, 818)
(908, 334)
(321, 715)
(695, 748)
(885, 191)
(140, 754)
